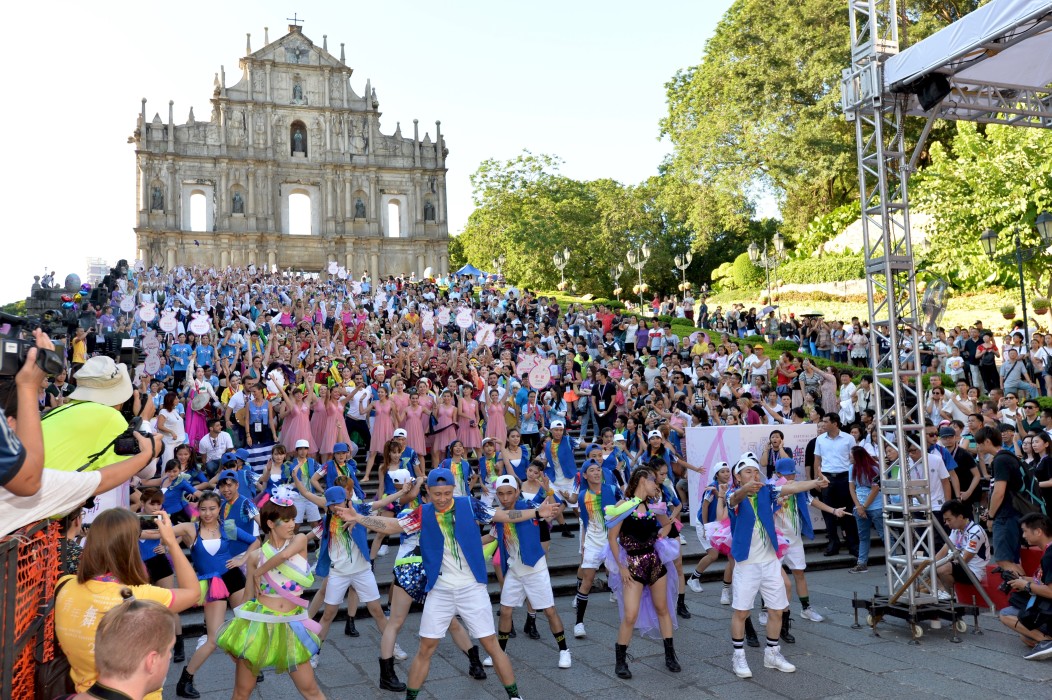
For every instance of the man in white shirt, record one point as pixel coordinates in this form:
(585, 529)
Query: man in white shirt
(832, 460)
(970, 541)
(938, 477)
(214, 445)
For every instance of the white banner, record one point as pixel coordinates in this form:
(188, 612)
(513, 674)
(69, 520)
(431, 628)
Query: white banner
(709, 445)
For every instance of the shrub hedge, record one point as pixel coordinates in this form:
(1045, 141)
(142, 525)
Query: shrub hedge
(827, 268)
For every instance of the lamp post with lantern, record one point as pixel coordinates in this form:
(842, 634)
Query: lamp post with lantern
(1021, 254)
(560, 260)
(638, 258)
(615, 274)
(760, 258)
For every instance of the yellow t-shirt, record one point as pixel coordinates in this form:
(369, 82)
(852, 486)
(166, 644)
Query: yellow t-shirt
(78, 430)
(80, 352)
(78, 611)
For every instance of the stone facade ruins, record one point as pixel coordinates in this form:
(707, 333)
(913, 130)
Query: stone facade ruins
(217, 192)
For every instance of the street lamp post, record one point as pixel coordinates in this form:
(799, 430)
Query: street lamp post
(615, 275)
(988, 238)
(768, 262)
(682, 263)
(498, 263)
(638, 259)
(560, 260)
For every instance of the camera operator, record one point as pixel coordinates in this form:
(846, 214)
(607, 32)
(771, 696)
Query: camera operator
(1030, 606)
(83, 431)
(33, 490)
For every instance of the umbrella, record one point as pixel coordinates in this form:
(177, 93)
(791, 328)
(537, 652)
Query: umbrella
(811, 313)
(767, 309)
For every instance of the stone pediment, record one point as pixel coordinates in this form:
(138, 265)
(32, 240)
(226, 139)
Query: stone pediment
(295, 49)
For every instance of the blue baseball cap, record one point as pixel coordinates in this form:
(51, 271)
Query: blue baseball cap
(335, 496)
(242, 454)
(227, 458)
(341, 447)
(440, 477)
(226, 474)
(785, 466)
(593, 446)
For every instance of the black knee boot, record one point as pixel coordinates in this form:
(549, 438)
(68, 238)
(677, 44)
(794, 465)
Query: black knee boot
(786, 635)
(530, 628)
(348, 627)
(184, 687)
(671, 662)
(750, 633)
(476, 670)
(388, 678)
(621, 667)
(178, 653)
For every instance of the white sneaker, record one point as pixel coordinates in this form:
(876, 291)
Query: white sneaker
(725, 597)
(741, 666)
(613, 597)
(682, 541)
(810, 614)
(314, 661)
(943, 595)
(695, 584)
(578, 630)
(399, 654)
(763, 618)
(564, 658)
(384, 549)
(772, 658)
(488, 661)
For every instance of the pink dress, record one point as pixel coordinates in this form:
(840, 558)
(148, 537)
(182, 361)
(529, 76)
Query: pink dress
(495, 425)
(318, 417)
(402, 401)
(470, 436)
(444, 437)
(383, 426)
(296, 426)
(196, 423)
(414, 429)
(335, 429)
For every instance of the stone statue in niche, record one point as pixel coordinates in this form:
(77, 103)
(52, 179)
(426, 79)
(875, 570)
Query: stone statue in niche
(156, 199)
(429, 210)
(238, 204)
(298, 141)
(359, 209)
(297, 93)
(431, 184)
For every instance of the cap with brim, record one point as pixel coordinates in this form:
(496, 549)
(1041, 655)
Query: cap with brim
(557, 424)
(618, 437)
(591, 447)
(785, 466)
(228, 458)
(719, 466)
(947, 432)
(227, 474)
(102, 381)
(340, 447)
(745, 464)
(400, 476)
(335, 496)
(654, 434)
(505, 480)
(242, 454)
(399, 432)
(302, 443)
(440, 477)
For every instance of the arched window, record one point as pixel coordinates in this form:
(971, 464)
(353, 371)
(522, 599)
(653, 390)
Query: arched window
(394, 219)
(198, 211)
(299, 214)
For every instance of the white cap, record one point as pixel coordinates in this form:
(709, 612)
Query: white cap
(655, 433)
(745, 463)
(720, 465)
(505, 480)
(399, 432)
(400, 476)
(618, 437)
(557, 424)
(302, 443)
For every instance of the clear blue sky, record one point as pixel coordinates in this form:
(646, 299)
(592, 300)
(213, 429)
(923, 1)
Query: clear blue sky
(581, 80)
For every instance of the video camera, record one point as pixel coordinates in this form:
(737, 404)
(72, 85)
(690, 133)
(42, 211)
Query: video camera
(14, 347)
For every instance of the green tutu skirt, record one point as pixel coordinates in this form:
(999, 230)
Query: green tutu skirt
(268, 639)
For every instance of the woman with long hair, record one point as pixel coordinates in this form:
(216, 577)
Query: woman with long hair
(111, 561)
(864, 483)
(468, 420)
(445, 431)
(273, 630)
(219, 575)
(638, 552)
(295, 414)
(1043, 471)
(464, 477)
(387, 418)
(515, 455)
(170, 426)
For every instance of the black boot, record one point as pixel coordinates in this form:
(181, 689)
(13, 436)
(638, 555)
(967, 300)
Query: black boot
(476, 670)
(348, 627)
(511, 633)
(787, 636)
(388, 679)
(530, 628)
(750, 633)
(184, 687)
(178, 653)
(566, 532)
(681, 609)
(671, 662)
(621, 667)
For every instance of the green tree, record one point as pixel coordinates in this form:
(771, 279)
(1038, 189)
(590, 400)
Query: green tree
(995, 177)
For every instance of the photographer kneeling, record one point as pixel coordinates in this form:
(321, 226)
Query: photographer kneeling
(1030, 606)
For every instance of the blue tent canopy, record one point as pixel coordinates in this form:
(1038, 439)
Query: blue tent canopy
(471, 270)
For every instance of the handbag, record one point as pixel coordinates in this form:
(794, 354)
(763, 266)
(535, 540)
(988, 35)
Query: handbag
(619, 397)
(52, 678)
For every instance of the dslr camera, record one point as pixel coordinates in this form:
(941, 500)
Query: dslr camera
(125, 444)
(1006, 577)
(15, 341)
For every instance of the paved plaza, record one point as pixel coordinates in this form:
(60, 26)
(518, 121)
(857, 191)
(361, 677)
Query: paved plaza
(833, 660)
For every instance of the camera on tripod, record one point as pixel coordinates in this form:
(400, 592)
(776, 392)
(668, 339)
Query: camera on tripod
(14, 347)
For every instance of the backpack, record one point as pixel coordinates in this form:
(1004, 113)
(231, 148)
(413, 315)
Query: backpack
(1029, 498)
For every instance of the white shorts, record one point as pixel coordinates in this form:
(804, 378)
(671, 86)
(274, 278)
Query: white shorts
(471, 603)
(306, 512)
(535, 587)
(704, 532)
(567, 485)
(591, 557)
(363, 582)
(794, 557)
(765, 579)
